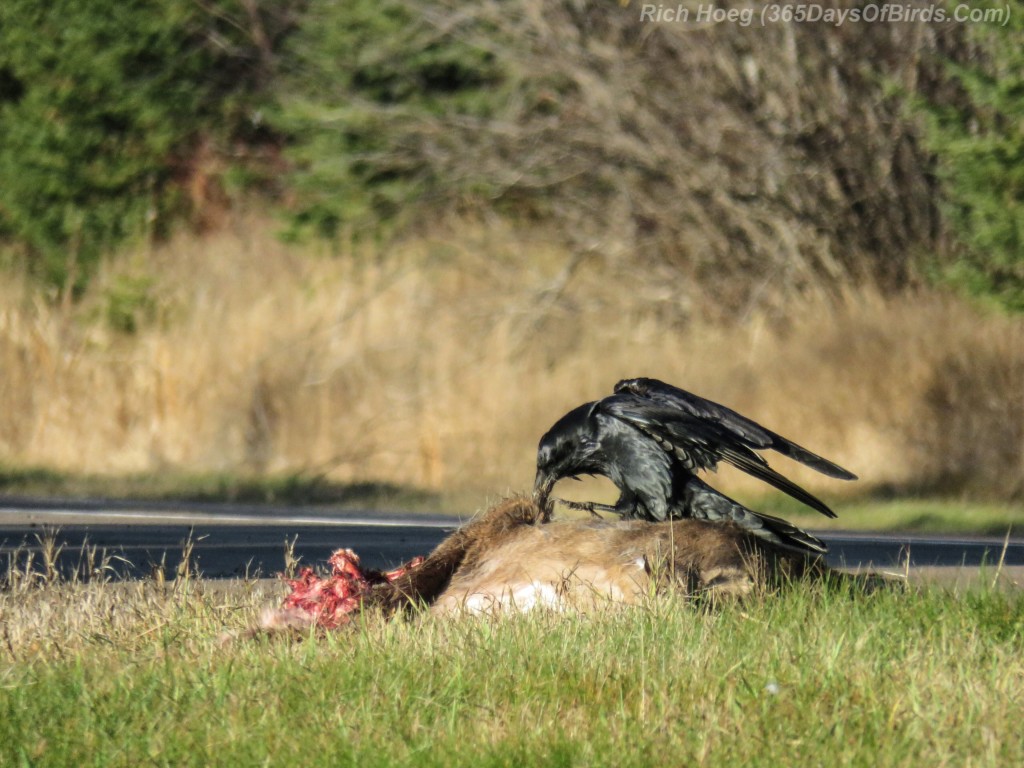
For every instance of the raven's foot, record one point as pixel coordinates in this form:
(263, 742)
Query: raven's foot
(589, 506)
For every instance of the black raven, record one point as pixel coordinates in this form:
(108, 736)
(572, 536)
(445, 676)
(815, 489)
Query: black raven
(651, 439)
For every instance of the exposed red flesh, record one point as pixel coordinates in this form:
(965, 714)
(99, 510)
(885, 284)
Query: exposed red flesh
(332, 601)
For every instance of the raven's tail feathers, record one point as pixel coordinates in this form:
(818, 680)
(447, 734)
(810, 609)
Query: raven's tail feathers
(703, 502)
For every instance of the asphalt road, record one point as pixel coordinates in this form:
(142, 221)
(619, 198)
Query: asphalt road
(237, 540)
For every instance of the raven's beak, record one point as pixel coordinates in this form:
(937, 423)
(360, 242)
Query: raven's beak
(542, 486)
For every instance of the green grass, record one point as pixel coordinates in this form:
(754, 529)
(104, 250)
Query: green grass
(934, 516)
(912, 515)
(136, 675)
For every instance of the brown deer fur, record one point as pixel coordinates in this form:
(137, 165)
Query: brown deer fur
(510, 558)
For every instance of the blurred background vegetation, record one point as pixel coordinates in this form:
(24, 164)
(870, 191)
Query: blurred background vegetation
(523, 169)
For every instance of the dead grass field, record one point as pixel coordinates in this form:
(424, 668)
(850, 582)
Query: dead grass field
(439, 363)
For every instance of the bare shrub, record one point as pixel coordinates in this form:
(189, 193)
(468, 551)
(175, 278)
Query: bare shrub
(749, 164)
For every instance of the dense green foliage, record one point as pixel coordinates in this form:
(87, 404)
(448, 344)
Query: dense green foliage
(979, 141)
(102, 107)
(136, 676)
(360, 80)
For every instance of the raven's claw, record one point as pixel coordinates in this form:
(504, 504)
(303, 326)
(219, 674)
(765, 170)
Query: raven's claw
(588, 506)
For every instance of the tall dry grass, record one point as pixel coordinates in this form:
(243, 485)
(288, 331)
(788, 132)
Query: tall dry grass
(440, 362)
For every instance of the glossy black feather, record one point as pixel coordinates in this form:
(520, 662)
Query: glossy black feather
(658, 393)
(703, 502)
(651, 439)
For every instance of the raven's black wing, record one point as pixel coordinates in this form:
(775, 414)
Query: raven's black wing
(749, 433)
(701, 433)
